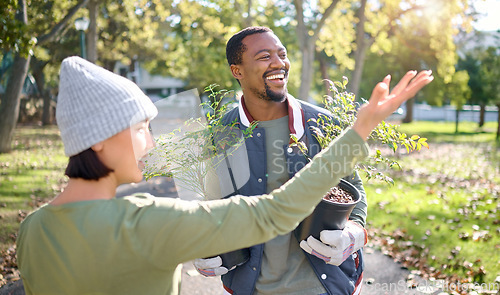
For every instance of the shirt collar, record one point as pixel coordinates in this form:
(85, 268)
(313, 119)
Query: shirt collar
(296, 120)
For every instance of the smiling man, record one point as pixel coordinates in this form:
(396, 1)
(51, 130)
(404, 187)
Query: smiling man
(261, 65)
(259, 62)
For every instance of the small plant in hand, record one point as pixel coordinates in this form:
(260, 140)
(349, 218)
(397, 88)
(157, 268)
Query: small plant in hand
(188, 153)
(343, 108)
(333, 212)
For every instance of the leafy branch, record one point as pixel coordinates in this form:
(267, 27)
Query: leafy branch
(343, 110)
(190, 152)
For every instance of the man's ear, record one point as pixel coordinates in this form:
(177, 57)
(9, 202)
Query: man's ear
(236, 71)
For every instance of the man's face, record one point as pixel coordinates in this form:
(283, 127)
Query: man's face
(264, 67)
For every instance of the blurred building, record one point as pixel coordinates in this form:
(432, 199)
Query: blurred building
(155, 86)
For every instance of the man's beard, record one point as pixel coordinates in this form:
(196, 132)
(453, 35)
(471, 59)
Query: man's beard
(270, 95)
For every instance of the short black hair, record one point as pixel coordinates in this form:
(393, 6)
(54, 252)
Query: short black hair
(86, 165)
(235, 46)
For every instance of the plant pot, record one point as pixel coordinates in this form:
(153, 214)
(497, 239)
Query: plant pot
(328, 215)
(234, 258)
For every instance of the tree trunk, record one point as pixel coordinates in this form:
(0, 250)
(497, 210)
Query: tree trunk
(360, 53)
(37, 67)
(48, 114)
(9, 109)
(323, 67)
(249, 20)
(482, 111)
(132, 69)
(498, 122)
(306, 74)
(457, 117)
(409, 111)
(92, 6)
(307, 40)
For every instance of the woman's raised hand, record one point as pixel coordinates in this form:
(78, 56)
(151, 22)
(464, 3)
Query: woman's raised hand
(382, 103)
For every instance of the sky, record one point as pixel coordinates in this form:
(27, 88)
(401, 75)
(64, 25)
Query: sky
(491, 20)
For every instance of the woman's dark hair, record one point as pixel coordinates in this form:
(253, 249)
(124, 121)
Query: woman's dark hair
(235, 46)
(86, 165)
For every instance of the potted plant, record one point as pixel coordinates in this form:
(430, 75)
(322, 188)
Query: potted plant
(331, 213)
(187, 154)
(335, 208)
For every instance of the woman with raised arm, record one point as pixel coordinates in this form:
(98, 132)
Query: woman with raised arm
(86, 241)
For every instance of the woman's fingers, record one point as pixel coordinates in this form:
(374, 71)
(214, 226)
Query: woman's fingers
(422, 79)
(382, 104)
(403, 83)
(407, 87)
(422, 75)
(387, 80)
(379, 93)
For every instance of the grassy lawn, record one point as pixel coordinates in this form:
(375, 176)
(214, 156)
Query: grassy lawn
(442, 216)
(468, 132)
(31, 173)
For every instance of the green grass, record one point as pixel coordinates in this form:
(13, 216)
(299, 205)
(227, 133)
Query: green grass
(445, 131)
(31, 173)
(445, 197)
(437, 223)
(442, 197)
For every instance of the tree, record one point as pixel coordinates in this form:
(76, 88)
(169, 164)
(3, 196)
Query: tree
(310, 22)
(336, 44)
(37, 67)
(195, 35)
(472, 64)
(490, 72)
(129, 31)
(9, 109)
(50, 51)
(376, 24)
(190, 38)
(458, 92)
(424, 29)
(92, 36)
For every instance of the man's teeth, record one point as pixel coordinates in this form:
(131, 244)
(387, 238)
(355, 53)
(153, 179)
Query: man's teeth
(278, 76)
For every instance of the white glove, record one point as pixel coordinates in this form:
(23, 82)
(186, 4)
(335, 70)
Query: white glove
(336, 245)
(210, 267)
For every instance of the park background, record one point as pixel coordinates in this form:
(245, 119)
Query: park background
(441, 218)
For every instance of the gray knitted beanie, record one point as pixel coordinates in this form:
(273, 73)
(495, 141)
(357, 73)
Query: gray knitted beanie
(94, 104)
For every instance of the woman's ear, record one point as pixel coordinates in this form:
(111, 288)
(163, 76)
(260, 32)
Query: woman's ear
(235, 70)
(97, 147)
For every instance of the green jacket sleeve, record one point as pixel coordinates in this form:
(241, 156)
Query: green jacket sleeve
(187, 230)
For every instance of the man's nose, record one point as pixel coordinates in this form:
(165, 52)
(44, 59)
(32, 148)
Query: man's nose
(277, 61)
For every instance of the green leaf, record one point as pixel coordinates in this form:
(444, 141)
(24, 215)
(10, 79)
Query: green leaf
(338, 84)
(345, 80)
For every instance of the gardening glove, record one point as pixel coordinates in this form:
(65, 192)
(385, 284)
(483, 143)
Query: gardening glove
(210, 267)
(336, 245)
